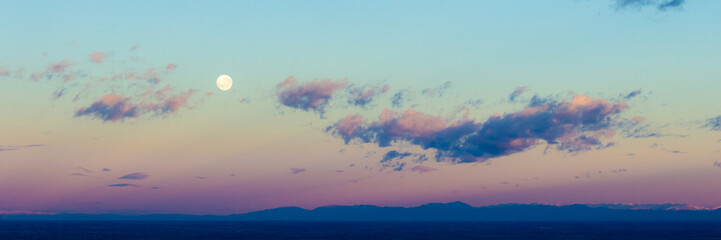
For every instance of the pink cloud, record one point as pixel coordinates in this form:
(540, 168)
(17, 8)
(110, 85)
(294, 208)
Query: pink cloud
(59, 67)
(97, 57)
(638, 119)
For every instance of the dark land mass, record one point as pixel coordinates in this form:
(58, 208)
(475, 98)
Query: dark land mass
(434, 212)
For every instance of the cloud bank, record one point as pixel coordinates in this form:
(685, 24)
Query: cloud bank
(572, 126)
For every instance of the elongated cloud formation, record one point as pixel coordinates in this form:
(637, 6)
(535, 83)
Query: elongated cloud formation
(113, 107)
(361, 96)
(313, 95)
(423, 169)
(124, 185)
(661, 5)
(135, 176)
(632, 94)
(574, 125)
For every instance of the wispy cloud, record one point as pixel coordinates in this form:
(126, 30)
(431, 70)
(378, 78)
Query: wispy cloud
(575, 125)
(516, 93)
(18, 147)
(423, 169)
(297, 170)
(661, 5)
(308, 96)
(437, 92)
(124, 185)
(135, 176)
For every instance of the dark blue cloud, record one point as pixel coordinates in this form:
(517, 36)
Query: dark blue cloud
(399, 167)
(713, 123)
(632, 94)
(393, 154)
(661, 5)
(123, 185)
(670, 4)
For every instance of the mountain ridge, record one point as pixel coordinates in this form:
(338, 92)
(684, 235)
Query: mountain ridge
(450, 211)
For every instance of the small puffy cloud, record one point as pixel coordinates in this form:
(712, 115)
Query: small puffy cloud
(638, 119)
(124, 185)
(97, 57)
(439, 91)
(135, 176)
(575, 125)
(361, 96)
(106, 170)
(713, 123)
(516, 93)
(423, 169)
(308, 96)
(59, 67)
(297, 170)
(111, 107)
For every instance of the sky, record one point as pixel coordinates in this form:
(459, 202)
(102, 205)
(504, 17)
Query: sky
(112, 107)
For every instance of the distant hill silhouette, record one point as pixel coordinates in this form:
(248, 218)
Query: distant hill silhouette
(453, 211)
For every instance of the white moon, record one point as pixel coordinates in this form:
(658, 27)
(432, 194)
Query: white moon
(224, 82)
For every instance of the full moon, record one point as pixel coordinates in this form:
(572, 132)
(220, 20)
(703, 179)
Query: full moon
(224, 82)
